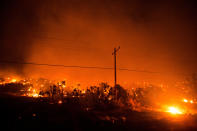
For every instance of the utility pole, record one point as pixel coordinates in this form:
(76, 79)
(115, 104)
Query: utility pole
(114, 53)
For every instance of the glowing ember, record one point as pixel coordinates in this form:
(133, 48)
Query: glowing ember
(83, 92)
(59, 102)
(35, 95)
(174, 110)
(185, 100)
(191, 101)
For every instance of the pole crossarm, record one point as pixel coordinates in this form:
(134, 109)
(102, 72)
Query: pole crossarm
(115, 50)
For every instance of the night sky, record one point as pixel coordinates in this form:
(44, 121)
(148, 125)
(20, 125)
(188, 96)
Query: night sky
(153, 35)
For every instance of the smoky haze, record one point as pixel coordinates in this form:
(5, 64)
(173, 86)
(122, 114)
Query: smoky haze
(153, 35)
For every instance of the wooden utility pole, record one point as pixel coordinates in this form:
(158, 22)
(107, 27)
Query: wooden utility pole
(114, 53)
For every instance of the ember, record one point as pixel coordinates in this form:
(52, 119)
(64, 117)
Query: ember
(185, 100)
(59, 102)
(191, 101)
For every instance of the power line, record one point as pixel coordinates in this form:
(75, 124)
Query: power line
(83, 67)
(124, 69)
(67, 66)
(73, 66)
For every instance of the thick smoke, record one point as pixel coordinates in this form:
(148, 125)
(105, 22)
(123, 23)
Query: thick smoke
(20, 25)
(153, 35)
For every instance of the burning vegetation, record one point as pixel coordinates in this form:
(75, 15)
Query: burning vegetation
(177, 99)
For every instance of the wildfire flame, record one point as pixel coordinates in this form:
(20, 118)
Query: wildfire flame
(137, 96)
(14, 80)
(174, 110)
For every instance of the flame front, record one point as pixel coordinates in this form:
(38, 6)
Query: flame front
(139, 98)
(174, 110)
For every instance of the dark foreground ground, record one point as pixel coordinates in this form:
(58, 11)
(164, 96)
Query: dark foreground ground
(22, 113)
